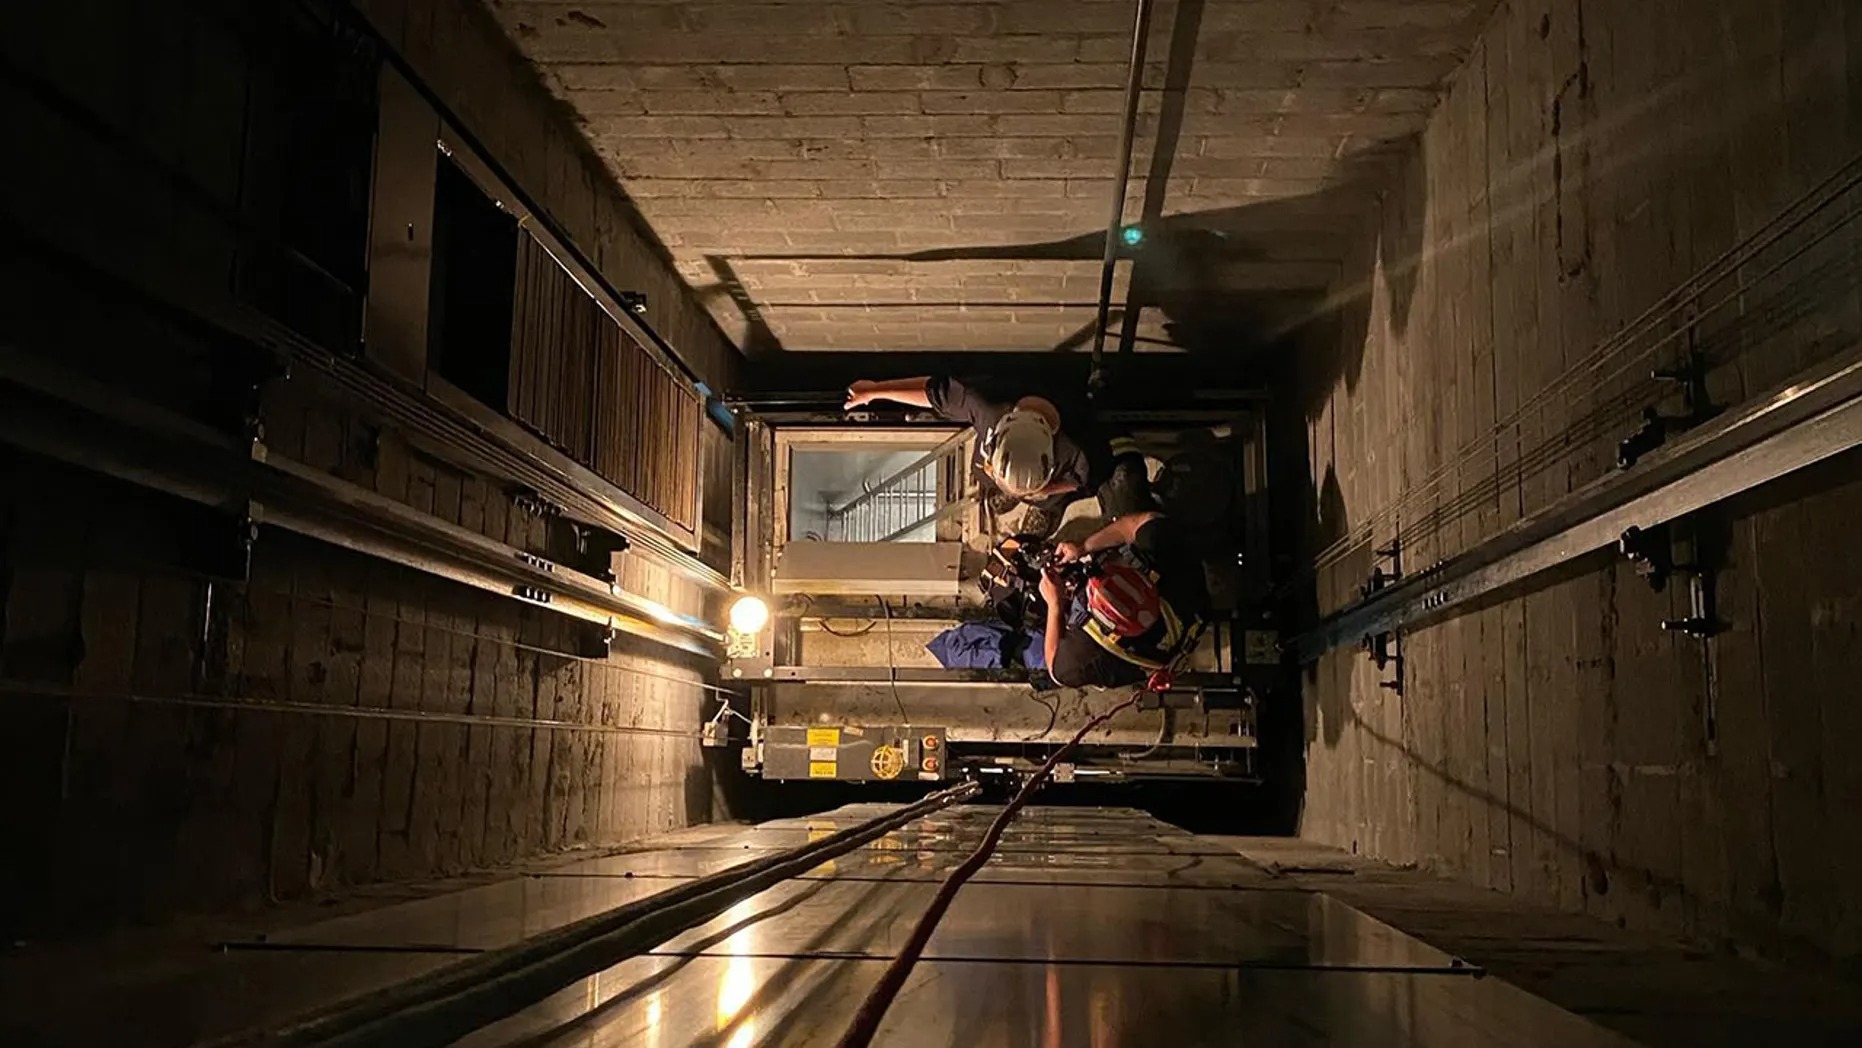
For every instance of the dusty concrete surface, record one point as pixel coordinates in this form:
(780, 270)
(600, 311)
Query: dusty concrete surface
(928, 175)
(1586, 160)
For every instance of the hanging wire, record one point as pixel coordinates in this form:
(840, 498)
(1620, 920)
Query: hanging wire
(825, 628)
(1053, 714)
(892, 663)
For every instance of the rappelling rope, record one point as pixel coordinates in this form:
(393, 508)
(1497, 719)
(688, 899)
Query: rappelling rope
(866, 1021)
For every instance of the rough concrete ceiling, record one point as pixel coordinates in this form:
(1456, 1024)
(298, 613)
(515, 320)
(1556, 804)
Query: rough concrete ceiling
(938, 174)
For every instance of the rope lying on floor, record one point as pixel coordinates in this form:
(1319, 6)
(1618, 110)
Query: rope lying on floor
(873, 1009)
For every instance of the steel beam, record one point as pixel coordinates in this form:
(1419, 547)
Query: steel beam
(72, 419)
(1815, 416)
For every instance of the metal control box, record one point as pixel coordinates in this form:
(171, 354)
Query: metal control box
(855, 753)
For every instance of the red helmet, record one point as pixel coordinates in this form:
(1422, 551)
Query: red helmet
(1124, 600)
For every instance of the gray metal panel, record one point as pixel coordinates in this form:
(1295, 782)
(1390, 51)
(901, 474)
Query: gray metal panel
(401, 229)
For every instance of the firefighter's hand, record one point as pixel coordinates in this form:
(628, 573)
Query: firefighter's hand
(1050, 589)
(1068, 552)
(860, 394)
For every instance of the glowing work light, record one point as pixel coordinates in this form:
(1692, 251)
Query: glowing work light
(749, 614)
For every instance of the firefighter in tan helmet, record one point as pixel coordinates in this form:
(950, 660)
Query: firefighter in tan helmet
(1020, 445)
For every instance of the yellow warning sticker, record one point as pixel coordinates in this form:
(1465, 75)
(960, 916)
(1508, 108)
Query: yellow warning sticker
(822, 769)
(823, 737)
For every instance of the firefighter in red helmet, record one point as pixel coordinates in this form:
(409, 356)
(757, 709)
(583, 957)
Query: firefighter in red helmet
(1134, 613)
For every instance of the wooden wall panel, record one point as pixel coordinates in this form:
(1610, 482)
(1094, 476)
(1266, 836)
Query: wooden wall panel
(591, 390)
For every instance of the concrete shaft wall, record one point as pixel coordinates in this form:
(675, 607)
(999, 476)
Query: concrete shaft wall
(135, 790)
(1588, 158)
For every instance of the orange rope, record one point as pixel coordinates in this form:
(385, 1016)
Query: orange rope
(873, 1009)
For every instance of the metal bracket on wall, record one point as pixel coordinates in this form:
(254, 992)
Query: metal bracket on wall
(527, 500)
(1385, 649)
(1386, 653)
(1691, 378)
(1701, 621)
(1688, 547)
(595, 642)
(594, 548)
(239, 384)
(1379, 578)
(1675, 549)
(1814, 416)
(220, 545)
(1651, 550)
(586, 548)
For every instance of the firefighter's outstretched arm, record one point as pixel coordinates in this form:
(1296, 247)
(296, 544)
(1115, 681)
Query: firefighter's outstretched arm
(1120, 532)
(914, 392)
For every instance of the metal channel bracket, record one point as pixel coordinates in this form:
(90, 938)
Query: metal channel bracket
(1810, 419)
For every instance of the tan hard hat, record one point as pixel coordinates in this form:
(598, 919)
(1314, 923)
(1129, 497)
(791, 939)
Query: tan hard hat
(1020, 451)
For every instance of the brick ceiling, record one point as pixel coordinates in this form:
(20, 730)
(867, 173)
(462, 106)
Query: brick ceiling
(895, 174)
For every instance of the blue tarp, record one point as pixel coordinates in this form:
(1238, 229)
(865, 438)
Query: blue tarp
(986, 646)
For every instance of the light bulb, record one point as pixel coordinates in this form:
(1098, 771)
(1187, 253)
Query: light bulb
(749, 614)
